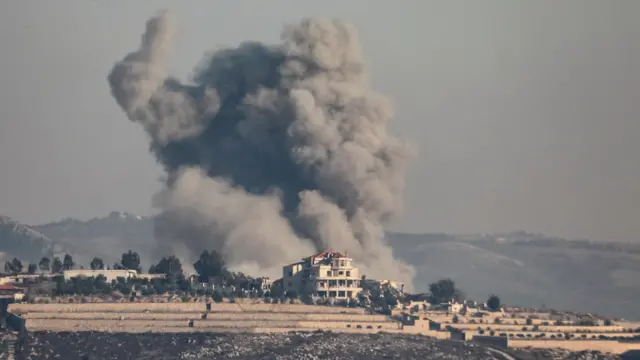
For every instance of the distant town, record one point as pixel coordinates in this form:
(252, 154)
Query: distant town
(57, 294)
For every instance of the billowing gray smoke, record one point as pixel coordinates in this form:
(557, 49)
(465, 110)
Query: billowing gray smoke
(272, 152)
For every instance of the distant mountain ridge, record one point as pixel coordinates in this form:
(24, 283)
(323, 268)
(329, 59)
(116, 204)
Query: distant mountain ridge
(24, 242)
(106, 237)
(526, 269)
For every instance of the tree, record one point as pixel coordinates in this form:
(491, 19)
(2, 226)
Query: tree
(32, 268)
(67, 262)
(169, 266)
(44, 264)
(13, 267)
(209, 265)
(493, 303)
(444, 291)
(97, 264)
(56, 266)
(131, 261)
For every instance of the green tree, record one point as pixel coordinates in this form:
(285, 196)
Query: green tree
(32, 268)
(67, 262)
(45, 264)
(131, 260)
(444, 291)
(13, 267)
(209, 265)
(493, 303)
(97, 264)
(56, 266)
(170, 266)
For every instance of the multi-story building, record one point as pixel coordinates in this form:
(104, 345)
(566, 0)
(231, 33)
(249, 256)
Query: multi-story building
(325, 274)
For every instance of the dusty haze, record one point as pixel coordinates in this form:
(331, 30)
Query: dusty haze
(272, 152)
(525, 112)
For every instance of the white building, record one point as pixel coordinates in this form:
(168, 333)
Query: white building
(326, 274)
(265, 283)
(110, 275)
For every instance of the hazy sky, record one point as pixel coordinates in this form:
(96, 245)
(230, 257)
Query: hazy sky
(526, 114)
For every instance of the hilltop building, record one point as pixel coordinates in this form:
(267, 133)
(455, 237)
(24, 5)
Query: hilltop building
(325, 274)
(109, 275)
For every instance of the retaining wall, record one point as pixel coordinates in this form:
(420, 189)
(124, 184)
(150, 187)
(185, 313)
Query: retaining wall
(210, 316)
(613, 347)
(557, 329)
(577, 336)
(182, 307)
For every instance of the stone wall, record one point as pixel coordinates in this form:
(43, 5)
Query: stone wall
(550, 328)
(613, 347)
(210, 316)
(182, 307)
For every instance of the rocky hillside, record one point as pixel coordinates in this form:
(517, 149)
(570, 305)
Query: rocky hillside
(318, 345)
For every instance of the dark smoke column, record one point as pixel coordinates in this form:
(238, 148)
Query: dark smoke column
(272, 151)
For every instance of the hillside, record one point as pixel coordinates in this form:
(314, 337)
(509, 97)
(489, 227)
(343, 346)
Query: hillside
(523, 268)
(530, 269)
(21, 241)
(106, 237)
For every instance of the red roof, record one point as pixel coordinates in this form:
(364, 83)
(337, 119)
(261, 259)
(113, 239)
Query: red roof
(327, 252)
(5, 287)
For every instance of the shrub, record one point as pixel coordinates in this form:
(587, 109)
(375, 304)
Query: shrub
(217, 296)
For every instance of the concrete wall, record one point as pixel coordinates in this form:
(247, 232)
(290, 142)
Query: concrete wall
(547, 335)
(247, 325)
(181, 307)
(210, 316)
(577, 345)
(558, 329)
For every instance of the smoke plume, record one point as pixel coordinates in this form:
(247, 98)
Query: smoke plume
(272, 152)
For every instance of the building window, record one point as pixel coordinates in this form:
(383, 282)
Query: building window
(340, 272)
(342, 263)
(332, 294)
(348, 273)
(329, 273)
(341, 294)
(322, 293)
(349, 294)
(290, 273)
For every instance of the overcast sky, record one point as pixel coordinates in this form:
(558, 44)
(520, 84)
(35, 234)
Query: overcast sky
(526, 114)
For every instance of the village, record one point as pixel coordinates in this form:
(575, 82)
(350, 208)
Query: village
(323, 292)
